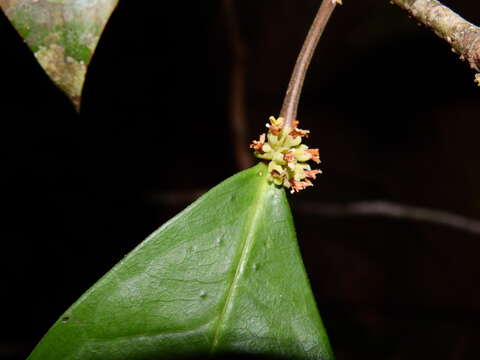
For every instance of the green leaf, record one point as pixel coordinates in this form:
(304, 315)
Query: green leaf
(62, 34)
(224, 276)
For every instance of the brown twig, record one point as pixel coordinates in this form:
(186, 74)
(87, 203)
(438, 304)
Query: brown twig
(292, 97)
(391, 210)
(463, 36)
(378, 208)
(237, 102)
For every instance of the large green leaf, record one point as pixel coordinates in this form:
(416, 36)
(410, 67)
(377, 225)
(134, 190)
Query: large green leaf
(62, 34)
(225, 276)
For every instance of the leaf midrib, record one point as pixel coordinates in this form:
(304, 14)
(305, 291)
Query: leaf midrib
(250, 227)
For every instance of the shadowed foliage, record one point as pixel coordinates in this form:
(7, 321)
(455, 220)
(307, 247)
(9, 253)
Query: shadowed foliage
(62, 34)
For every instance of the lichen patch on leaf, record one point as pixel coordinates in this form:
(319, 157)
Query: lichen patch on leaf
(288, 157)
(65, 71)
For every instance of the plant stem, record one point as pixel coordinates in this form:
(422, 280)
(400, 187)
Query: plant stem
(463, 36)
(292, 97)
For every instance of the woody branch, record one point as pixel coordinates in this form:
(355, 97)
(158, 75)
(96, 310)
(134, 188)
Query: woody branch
(463, 36)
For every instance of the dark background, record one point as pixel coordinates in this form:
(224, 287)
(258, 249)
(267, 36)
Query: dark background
(392, 109)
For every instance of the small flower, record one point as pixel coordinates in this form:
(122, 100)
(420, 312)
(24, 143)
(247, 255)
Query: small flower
(315, 155)
(257, 145)
(302, 154)
(289, 157)
(299, 185)
(312, 174)
(282, 147)
(299, 132)
(276, 125)
(276, 122)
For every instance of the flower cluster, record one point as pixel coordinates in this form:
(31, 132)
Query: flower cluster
(282, 145)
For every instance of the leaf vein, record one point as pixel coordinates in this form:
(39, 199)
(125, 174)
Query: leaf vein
(250, 227)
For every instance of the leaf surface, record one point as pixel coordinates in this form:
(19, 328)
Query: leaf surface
(62, 34)
(224, 276)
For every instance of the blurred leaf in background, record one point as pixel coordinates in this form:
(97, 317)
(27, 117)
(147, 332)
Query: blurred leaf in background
(62, 34)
